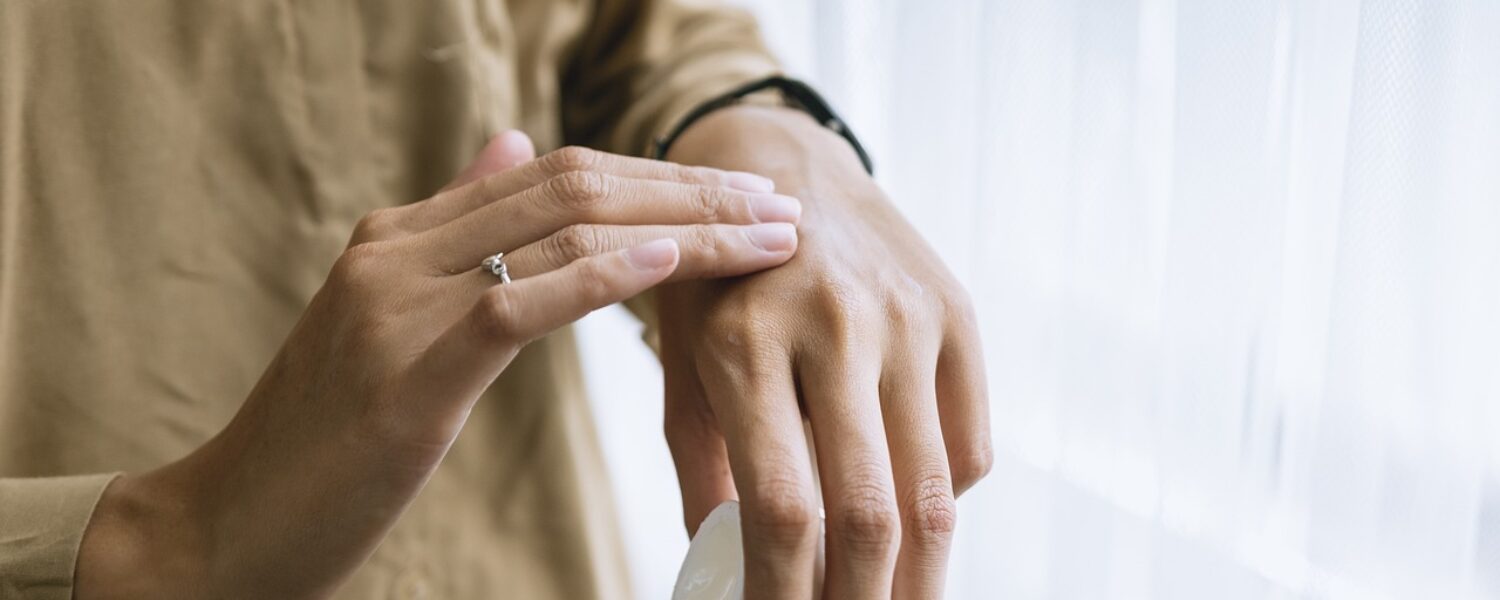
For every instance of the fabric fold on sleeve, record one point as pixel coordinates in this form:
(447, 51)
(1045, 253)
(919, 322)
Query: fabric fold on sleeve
(658, 59)
(42, 521)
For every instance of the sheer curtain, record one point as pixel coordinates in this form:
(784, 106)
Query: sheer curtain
(1238, 270)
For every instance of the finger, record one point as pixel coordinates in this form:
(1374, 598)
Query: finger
(854, 464)
(752, 393)
(693, 436)
(505, 151)
(592, 198)
(468, 356)
(502, 152)
(963, 404)
(462, 200)
(924, 491)
(708, 251)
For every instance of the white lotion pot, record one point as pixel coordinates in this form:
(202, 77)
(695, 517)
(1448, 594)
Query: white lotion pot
(714, 568)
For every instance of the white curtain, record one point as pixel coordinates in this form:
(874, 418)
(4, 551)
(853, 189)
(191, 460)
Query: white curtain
(1238, 269)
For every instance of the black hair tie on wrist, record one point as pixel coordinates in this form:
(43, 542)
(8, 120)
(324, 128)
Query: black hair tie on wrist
(794, 94)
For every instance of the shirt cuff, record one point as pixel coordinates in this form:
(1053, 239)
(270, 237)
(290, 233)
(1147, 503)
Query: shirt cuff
(42, 521)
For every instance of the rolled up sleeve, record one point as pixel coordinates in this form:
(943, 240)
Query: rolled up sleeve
(41, 525)
(644, 64)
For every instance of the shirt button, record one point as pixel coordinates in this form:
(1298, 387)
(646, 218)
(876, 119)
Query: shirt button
(411, 585)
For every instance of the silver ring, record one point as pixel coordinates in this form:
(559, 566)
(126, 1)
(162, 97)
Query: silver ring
(496, 266)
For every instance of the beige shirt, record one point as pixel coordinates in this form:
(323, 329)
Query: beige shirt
(176, 178)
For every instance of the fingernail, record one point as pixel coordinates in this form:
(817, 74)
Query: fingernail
(775, 208)
(773, 237)
(749, 182)
(652, 255)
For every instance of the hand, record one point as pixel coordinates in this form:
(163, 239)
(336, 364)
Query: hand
(866, 335)
(378, 377)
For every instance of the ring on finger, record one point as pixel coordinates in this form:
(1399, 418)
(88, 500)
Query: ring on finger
(496, 266)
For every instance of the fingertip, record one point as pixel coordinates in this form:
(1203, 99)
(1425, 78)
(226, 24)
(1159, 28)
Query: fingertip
(775, 208)
(655, 255)
(776, 238)
(505, 151)
(514, 144)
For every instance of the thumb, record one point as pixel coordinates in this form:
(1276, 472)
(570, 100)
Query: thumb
(512, 147)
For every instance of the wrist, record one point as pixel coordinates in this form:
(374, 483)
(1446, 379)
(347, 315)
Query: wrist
(805, 159)
(782, 143)
(142, 541)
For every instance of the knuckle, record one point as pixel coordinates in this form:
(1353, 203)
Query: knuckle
(357, 287)
(781, 513)
(739, 342)
(844, 302)
(570, 158)
(914, 318)
(576, 241)
(708, 203)
(929, 510)
(379, 224)
(969, 469)
(903, 315)
(359, 263)
(496, 316)
(866, 522)
(960, 307)
(847, 314)
(580, 190)
(703, 243)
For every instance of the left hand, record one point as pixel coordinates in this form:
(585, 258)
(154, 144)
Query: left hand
(867, 335)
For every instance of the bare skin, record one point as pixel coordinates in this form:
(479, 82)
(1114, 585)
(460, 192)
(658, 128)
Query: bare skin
(867, 336)
(378, 377)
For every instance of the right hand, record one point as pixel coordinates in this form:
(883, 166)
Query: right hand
(378, 377)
